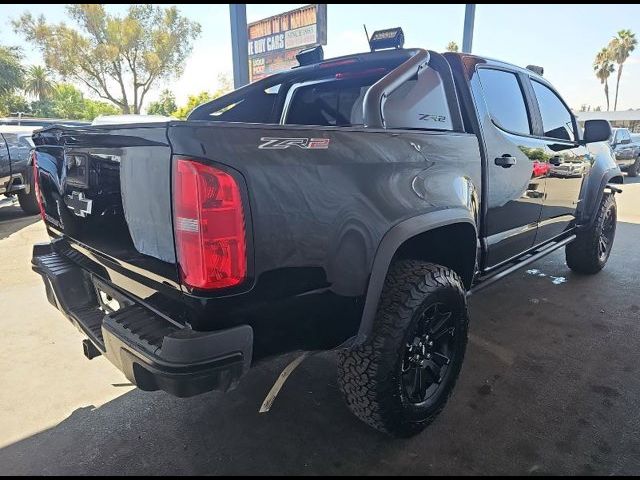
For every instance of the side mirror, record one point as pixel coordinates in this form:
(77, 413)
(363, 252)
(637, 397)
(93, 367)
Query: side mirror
(596, 131)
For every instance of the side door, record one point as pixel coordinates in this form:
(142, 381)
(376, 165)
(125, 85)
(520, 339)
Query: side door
(569, 162)
(514, 173)
(5, 164)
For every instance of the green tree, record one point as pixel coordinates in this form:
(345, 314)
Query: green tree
(14, 103)
(42, 108)
(165, 105)
(452, 47)
(11, 70)
(68, 102)
(224, 87)
(603, 68)
(38, 82)
(118, 58)
(95, 108)
(192, 102)
(620, 48)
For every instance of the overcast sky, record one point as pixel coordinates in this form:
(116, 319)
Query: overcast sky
(562, 38)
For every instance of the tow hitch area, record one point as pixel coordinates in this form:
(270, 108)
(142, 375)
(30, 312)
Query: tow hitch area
(90, 350)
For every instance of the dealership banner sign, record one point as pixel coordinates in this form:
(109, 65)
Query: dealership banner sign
(275, 41)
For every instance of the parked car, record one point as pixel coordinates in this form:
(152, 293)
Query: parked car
(16, 176)
(626, 151)
(350, 204)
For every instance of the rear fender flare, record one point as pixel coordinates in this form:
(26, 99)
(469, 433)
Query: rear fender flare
(388, 247)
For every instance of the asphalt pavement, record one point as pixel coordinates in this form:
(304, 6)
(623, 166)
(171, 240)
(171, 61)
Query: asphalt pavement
(550, 385)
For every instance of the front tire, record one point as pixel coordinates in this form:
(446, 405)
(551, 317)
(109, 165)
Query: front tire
(589, 252)
(401, 378)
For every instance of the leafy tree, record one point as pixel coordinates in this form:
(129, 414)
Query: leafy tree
(117, 58)
(603, 67)
(11, 70)
(192, 102)
(452, 47)
(95, 108)
(224, 87)
(68, 102)
(38, 82)
(13, 103)
(620, 48)
(42, 108)
(165, 105)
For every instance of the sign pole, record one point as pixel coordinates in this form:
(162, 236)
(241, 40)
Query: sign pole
(469, 19)
(239, 44)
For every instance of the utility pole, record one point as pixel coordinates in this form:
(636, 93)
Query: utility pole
(469, 19)
(239, 44)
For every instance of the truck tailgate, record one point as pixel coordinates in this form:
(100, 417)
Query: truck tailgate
(106, 191)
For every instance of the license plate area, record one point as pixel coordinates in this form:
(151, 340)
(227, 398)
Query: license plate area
(109, 299)
(77, 170)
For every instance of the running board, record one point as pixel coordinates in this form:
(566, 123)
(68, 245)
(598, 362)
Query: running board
(486, 280)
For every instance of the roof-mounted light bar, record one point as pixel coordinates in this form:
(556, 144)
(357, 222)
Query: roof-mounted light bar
(389, 38)
(309, 56)
(536, 69)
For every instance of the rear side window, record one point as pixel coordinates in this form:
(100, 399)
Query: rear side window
(557, 121)
(419, 104)
(505, 101)
(336, 103)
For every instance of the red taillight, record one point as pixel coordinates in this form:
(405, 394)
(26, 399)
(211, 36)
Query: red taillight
(209, 226)
(36, 183)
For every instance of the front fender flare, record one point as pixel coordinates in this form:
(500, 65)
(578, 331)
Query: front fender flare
(593, 195)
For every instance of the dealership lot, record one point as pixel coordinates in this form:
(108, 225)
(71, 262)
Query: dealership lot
(550, 385)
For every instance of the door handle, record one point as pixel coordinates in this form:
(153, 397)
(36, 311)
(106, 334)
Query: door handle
(556, 160)
(505, 161)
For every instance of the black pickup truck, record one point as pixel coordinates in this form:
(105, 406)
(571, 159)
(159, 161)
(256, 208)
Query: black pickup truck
(16, 176)
(626, 151)
(351, 203)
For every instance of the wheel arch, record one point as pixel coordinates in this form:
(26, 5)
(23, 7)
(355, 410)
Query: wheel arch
(594, 193)
(413, 238)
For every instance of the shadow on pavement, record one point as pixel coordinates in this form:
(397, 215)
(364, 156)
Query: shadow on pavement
(12, 218)
(550, 385)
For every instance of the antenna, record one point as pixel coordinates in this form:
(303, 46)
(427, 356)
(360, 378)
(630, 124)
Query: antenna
(366, 33)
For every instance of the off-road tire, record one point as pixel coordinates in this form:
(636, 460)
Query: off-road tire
(370, 375)
(584, 254)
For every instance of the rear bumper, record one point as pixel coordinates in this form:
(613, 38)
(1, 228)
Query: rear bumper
(153, 352)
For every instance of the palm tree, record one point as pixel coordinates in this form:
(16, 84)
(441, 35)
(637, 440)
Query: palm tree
(452, 47)
(620, 48)
(38, 83)
(603, 67)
